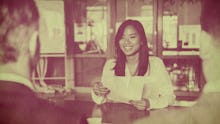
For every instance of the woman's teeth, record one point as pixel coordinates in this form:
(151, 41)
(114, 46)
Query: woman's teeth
(127, 47)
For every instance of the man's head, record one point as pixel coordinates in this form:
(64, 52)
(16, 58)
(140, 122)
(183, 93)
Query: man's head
(19, 20)
(210, 39)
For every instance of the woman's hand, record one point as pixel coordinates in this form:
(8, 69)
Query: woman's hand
(140, 104)
(100, 90)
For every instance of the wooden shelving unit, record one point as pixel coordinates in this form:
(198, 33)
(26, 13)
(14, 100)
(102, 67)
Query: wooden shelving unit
(51, 68)
(75, 63)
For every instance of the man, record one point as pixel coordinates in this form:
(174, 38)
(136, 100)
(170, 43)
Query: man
(19, 53)
(207, 110)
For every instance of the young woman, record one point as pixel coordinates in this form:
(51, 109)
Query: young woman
(134, 77)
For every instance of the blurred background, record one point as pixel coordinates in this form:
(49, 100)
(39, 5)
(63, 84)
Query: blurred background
(77, 37)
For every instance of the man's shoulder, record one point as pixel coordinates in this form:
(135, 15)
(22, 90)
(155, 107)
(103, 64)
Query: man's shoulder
(12, 93)
(14, 87)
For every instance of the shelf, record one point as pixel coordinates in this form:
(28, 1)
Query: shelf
(187, 95)
(49, 78)
(170, 52)
(180, 57)
(52, 55)
(89, 56)
(182, 49)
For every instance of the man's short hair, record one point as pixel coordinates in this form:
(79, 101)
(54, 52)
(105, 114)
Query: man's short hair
(12, 14)
(210, 17)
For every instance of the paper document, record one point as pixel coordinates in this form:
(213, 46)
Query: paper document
(124, 89)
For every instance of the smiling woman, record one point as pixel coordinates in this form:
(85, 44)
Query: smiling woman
(133, 77)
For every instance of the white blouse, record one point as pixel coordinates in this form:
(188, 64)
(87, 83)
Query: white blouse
(155, 85)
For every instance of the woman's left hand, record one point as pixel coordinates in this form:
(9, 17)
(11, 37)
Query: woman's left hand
(141, 104)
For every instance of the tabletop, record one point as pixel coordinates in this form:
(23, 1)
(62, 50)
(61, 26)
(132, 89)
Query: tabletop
(115, 113)
(108, 113)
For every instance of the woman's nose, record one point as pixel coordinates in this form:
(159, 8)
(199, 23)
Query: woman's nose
(127, 40)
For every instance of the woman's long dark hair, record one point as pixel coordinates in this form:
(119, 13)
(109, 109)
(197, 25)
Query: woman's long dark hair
(143, 52)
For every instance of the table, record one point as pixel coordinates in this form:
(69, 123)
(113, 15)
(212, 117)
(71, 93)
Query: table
(81, 107)
(115, 113)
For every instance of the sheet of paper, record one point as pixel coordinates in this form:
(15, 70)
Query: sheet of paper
(124, 89)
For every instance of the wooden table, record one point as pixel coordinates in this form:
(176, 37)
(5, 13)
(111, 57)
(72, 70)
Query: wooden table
(115, 113)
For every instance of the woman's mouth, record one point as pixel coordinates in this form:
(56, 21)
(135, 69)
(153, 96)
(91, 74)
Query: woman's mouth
(127, 48)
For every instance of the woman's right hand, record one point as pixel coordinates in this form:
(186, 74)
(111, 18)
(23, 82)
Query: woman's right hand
(100, 90)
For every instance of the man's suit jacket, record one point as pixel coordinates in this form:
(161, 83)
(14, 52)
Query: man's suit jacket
(20, 105)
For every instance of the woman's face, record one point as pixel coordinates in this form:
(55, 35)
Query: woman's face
(130, 41)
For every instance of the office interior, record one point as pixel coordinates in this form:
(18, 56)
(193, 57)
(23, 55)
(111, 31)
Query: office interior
(77, 38)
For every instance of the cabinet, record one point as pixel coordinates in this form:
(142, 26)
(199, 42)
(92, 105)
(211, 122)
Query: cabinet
(90, 26)
(95, 23)
(171, 28)
(179, 26)
(51, 69)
